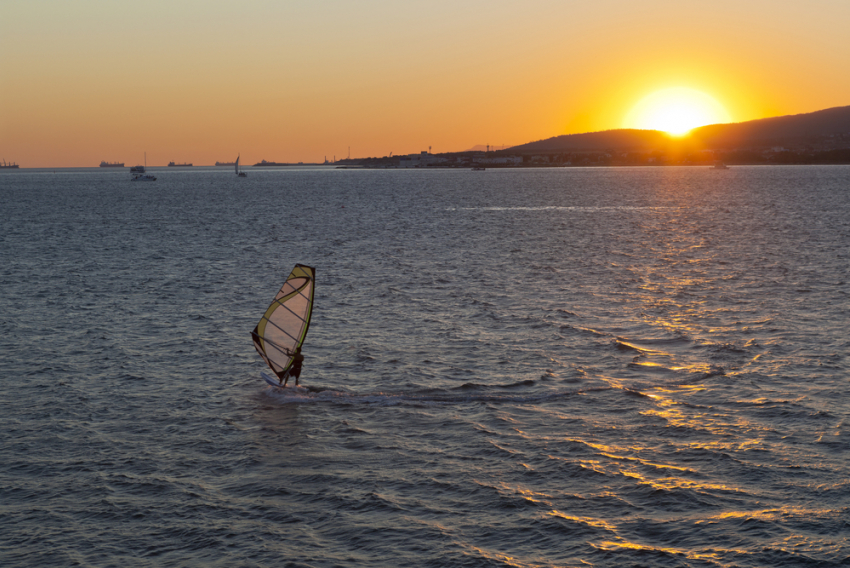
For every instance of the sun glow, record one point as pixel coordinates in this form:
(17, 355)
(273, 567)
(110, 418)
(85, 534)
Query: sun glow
(676, 111)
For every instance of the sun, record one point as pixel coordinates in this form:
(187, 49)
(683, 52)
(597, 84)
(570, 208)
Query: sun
(676, 111)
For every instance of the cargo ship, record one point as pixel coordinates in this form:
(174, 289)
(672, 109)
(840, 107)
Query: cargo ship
(10, 165)
(225, 163)
(112, 164)
(265, 163)
(173, 165)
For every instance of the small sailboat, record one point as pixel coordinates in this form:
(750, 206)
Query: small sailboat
(282, 329)
(140, 174)
(238, 173)
(140, 169)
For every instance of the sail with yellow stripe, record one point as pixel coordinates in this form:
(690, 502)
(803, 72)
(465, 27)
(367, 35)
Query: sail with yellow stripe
(283, 327)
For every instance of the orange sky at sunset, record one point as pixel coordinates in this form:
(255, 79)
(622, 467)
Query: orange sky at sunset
(86, 81)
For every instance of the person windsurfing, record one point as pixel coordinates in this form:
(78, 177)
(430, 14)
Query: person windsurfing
(282, 329)
(295, 369)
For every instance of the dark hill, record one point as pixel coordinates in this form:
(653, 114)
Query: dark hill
(781, 128)
(606, 139)
(763, 132)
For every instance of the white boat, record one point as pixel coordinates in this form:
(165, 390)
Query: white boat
(143, 177)
(718, 165)
(238, 173)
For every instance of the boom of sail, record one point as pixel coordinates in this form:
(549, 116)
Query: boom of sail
(283, 327)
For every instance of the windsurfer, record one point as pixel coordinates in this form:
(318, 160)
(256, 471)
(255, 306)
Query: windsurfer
(281, 331)
(295, 369)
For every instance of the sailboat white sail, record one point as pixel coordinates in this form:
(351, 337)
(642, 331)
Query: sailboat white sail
(282, 329)
(238, 173)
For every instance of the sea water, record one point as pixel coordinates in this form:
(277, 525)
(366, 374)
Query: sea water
(519, 367)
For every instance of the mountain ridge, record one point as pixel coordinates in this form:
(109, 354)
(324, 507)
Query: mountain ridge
(759, 132)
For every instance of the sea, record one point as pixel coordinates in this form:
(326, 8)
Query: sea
(553, 367)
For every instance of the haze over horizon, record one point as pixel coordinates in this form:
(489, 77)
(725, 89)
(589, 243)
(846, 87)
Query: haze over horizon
(199, 82)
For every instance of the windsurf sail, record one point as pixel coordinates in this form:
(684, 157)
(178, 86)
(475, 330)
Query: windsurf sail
(283, 327)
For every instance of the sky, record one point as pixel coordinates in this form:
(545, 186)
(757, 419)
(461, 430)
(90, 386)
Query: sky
(289, 81)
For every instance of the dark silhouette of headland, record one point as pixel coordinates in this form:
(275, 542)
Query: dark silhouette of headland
(821, 137)
(812, 138)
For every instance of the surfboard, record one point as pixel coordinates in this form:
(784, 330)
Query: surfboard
(271, 380)
(291, 390)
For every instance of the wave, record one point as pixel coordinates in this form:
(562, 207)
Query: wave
(563, 208)
(459, 395)
(472, 392)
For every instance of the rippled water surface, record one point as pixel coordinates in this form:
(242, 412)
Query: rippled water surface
(555, 367)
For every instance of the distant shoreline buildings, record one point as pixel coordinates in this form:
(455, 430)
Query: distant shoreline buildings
(777, 155)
